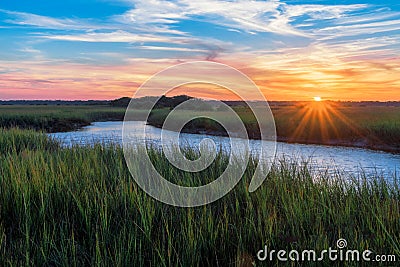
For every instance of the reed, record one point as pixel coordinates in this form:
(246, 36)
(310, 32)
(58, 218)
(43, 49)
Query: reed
(56, 118)
(79, 206)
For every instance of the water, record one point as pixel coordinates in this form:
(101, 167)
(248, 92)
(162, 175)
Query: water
(354, 161)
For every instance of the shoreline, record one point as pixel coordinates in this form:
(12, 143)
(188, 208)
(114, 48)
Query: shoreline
(362, 144)
(77, 126)
(62, 126)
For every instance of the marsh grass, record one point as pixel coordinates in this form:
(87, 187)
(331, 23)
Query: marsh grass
(56, 118)
(79, 206)
(323, 123)
(364, 126)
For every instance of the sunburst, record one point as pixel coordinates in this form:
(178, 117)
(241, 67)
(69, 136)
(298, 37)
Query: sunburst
(320, 121)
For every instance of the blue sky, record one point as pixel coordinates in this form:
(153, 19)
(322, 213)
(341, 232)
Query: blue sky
(103, 49)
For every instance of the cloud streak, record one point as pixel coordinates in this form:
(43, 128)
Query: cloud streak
(29, 19)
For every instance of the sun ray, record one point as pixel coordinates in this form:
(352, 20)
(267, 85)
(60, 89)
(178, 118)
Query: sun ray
(320, 121)
(302, 124)
(329, 120)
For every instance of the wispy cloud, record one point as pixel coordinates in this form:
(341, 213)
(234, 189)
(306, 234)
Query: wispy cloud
(321, 12)
(206, 46)
(80, 24)
(358, 29)
(178, 49)
(114, 37)
(29, 19)
(248, 16)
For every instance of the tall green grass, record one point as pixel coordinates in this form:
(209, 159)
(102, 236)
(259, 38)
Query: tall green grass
(319, 123)
(79, 206)
(56, 118)
(370, 127)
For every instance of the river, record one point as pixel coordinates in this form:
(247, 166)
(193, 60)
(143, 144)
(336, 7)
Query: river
(355, 162)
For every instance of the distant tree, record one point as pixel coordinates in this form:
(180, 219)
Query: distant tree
(121, 102)
(171, 102)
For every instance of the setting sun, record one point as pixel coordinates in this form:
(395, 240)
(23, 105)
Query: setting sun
(317, 98)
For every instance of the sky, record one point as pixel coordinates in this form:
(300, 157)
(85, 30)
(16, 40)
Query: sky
(293, 50)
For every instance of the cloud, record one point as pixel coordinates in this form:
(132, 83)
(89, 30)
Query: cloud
(29, 19)
(358, 29)
(321, 12)
(178, 49)
(119, 29)
(249, 16)
(114, 37)
(374, 15)
(154, 12)
(209, 47)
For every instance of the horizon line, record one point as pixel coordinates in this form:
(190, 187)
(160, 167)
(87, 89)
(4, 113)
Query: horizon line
(253, 100)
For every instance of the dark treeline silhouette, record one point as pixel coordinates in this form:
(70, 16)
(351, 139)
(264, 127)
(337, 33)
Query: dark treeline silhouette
(163, 101)
(171, 102)
(55, 102)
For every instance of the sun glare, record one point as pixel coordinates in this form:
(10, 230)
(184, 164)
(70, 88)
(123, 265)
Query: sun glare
(319, 121)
